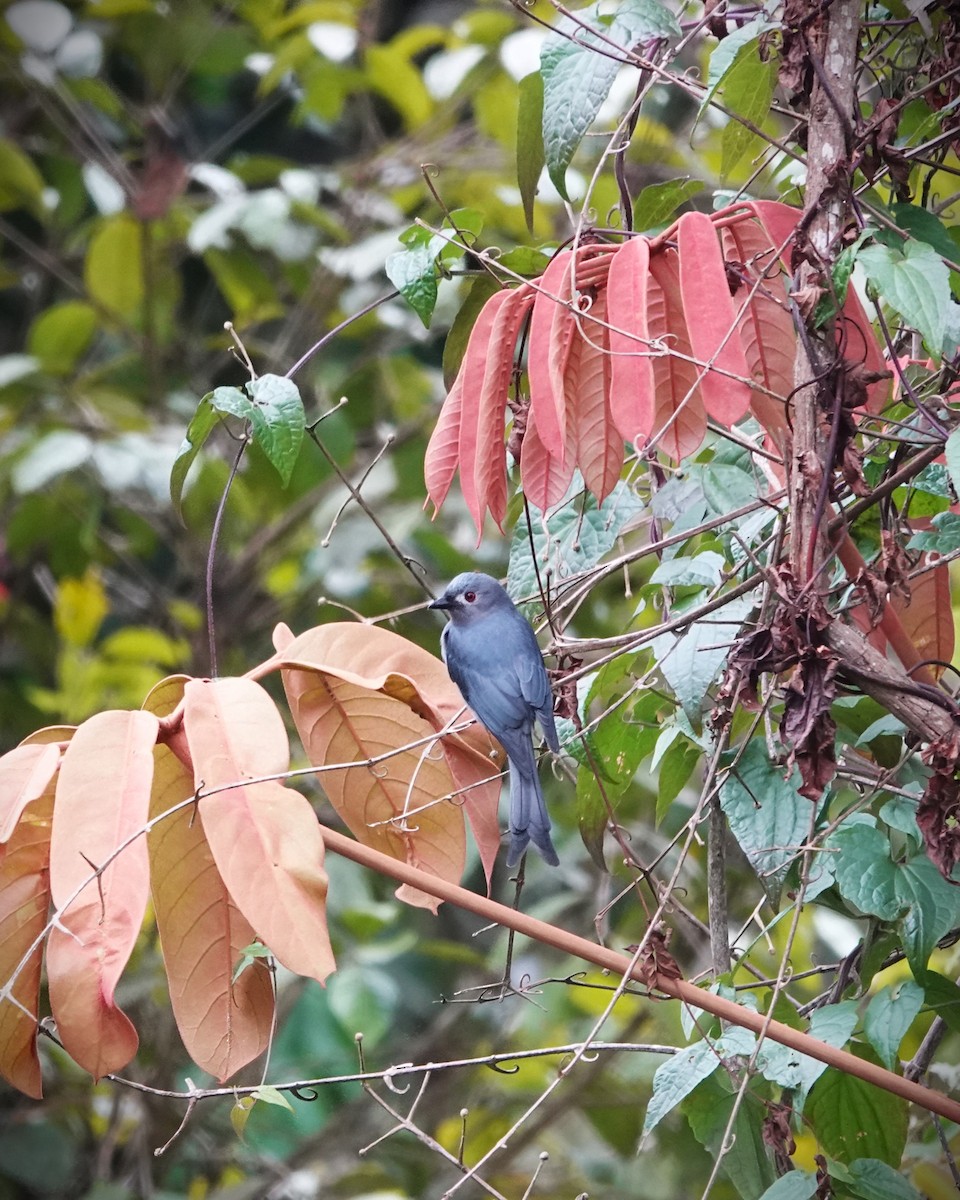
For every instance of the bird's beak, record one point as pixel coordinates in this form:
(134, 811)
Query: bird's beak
(441, 602)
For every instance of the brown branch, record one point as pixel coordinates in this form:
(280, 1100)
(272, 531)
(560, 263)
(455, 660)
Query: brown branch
(621, 964)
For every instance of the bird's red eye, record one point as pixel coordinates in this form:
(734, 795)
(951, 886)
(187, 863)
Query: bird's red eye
(469, 597)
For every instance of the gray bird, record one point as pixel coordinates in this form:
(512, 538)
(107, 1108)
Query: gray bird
(493, 658)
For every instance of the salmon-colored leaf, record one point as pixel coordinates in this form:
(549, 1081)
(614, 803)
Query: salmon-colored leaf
(486, 370)
(632, 398)
(102, 801)
(766, 327)
(443, 450)
(24, 903)
(551, 333)
(264, 837)
(711, 319)
(545, 477)
(598, 445)
(382, 663)
(490, 464)
(223, 1024)
(24, 775)
(679, 419)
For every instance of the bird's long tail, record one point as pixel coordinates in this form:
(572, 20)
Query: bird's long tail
(528, 817)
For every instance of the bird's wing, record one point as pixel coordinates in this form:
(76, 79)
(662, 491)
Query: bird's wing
(535, 686)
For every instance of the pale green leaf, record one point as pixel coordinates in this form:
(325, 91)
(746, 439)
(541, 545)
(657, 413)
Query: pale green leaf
(576, 78)
(766, 813)
(61, 333)
(889, 1015)
(679, 1075)
(691, 661)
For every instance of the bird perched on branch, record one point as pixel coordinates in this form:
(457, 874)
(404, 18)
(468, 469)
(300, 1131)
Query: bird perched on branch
(493, 658)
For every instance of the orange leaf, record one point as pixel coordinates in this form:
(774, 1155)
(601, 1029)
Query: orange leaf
(443, 450)
(264, 837)
(24, 775)
(24, 903)
(545, 478)
(385, 665)
(551, 335)
(632, 397)
(224, 1025)
(102, 800)
(395, 806)
(598, 445)
(711, 319)
(766, 327)
(927, 617)
(680, 420)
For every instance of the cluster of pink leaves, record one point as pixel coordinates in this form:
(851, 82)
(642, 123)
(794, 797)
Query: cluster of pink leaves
(635, 343)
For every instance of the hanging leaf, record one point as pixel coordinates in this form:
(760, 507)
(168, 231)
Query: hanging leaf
(711, 319)
(598, 447)
(530, 154)
(631, 365)
(679, 418)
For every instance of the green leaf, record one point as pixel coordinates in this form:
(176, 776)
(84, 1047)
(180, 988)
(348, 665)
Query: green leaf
(727, 487)
(932, 909)
(795, 1185)
(678, 1076)
(889, 1015)
(270, 1095)
(60, 334)
(925, 227)
(871, 1179)
(952, 455)
(728, 53)
(943, 995)
(399, 82)
(853, 1119)
(747, 92)
(455, 345)
(944, 537)
(576, 537)
(413, 273)
(916, 283)
(657, 203)
(833, 1024)
(113, 270)
(21, 184)
(745, 1159)
(864, 872)
(691, 661)
(278, 421)
(767, 815)
(199, 429)
(530, 154)
(576, 78)
(676, 767)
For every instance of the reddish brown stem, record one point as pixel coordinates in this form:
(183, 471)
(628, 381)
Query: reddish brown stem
(621, 965)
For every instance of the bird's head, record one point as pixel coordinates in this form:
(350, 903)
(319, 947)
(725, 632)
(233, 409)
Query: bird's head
(471, 596)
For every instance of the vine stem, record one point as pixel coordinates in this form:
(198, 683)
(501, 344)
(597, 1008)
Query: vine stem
(622, 965)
